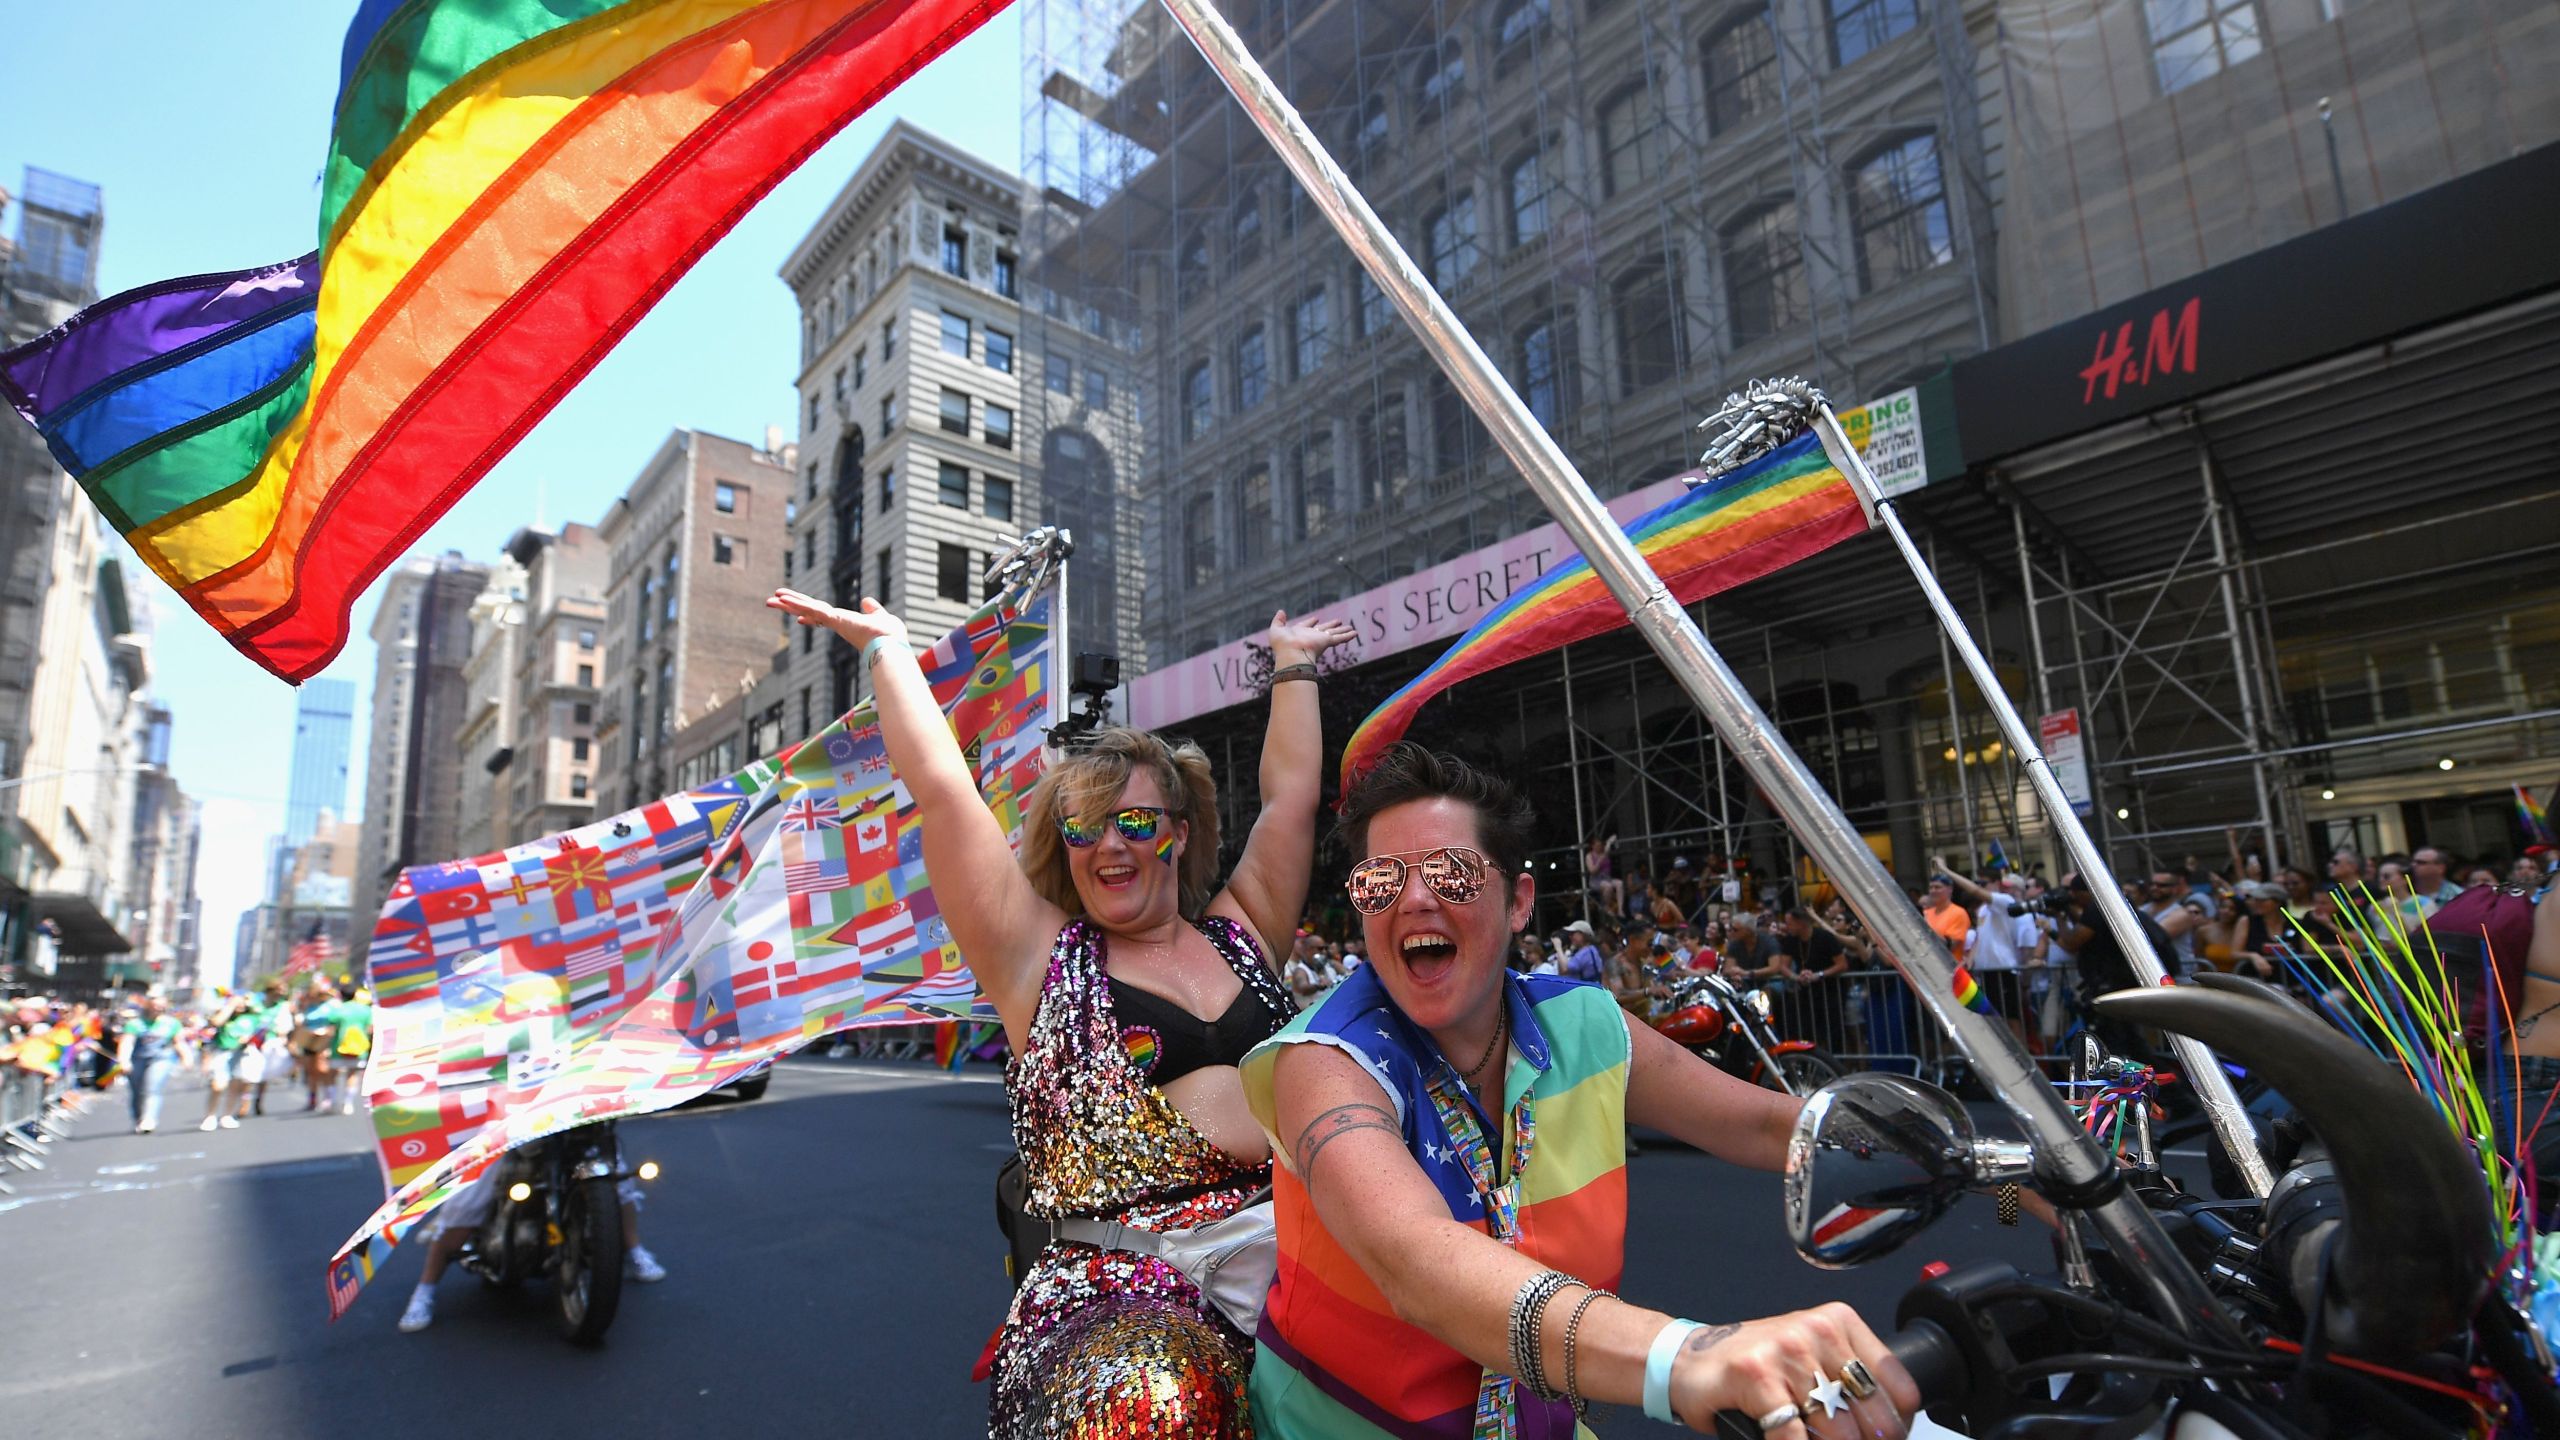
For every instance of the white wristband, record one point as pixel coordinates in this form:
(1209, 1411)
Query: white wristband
(1657, 1369)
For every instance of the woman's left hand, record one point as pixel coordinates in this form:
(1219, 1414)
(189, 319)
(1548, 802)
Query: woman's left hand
(1295, 642)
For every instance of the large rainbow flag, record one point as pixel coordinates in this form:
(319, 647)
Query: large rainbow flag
(1739, 526)
(630, 964)
(509, 186)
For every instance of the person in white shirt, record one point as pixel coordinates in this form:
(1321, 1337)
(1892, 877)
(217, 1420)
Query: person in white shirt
(2000, 926)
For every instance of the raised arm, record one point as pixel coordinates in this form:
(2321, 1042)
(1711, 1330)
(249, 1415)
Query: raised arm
(1958, 883)
(1268, 890)
(1005, 926)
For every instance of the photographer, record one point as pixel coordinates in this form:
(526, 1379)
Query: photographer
(2081, 928)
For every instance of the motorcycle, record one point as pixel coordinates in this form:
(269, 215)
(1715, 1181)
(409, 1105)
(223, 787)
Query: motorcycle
(1735, 1031)
(559, 1214)
(2356, 1299)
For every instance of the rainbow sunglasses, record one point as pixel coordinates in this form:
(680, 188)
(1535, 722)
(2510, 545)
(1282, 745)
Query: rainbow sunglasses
(1137, 824)
(1454, 873)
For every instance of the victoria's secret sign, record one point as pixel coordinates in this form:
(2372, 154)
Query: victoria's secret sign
(1440, 603)
(2464, 245)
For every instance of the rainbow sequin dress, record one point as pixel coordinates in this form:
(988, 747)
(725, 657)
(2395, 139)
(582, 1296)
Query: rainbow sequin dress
(1105, 1343)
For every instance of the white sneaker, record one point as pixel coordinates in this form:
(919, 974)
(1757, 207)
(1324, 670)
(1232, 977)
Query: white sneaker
(144, 1129)
(643, 1266)
(348, 1107)
(208, 1123)
(421, 1312)
(230, 1122)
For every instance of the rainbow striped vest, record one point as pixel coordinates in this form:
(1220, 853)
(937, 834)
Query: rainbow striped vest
(1331, 1359)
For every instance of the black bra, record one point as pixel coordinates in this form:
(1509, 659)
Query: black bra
(1166, 1042)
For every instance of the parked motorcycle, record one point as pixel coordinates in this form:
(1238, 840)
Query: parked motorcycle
(559, 1215)
(2357, 1299)
(1735, 1031)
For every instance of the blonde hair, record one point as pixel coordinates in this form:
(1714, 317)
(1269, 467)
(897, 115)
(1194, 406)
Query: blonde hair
(1087, 786)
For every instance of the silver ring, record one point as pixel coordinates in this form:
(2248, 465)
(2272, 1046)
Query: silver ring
(1779, 1416)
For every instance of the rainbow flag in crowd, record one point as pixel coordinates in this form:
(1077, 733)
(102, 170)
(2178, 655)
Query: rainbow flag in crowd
(509, 186)
(2537, 828)
(628, 965)
(1739, 526)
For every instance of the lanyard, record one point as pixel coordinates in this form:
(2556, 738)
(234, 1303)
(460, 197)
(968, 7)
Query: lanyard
(1497, 1409)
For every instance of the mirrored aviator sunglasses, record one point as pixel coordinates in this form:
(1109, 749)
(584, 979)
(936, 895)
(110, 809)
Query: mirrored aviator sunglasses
(1454, 873)
(1138, 824)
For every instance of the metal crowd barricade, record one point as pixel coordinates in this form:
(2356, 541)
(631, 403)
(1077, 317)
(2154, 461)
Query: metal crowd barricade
(1869, 1020)
(35, 1111)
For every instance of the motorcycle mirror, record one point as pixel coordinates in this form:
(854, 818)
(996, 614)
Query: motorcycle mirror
(1875, 1159)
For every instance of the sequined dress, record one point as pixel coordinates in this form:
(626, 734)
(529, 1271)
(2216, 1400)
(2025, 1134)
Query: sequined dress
(1107, 1343)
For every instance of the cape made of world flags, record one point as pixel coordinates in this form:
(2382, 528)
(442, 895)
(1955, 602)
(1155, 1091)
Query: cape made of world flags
(630, 964)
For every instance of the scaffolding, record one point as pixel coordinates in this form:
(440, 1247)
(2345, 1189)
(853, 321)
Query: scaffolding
(1636, 206)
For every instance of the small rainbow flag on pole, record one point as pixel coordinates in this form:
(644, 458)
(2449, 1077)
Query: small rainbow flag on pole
(1970, 994)
(1736, 527)
(2537, 831)
(509, 186)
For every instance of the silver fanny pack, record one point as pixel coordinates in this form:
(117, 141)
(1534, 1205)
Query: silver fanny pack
(1231, 1260)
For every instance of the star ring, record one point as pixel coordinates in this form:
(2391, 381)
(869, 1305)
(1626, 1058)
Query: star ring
(1829, 1394)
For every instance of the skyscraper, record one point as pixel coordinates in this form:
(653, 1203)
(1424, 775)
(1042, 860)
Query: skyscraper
(324, 721)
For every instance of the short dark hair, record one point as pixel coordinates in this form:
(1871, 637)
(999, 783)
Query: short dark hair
(1505, 820)
(1798, 912)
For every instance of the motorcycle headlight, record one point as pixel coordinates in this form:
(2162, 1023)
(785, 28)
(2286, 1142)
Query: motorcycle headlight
(1758, 1000)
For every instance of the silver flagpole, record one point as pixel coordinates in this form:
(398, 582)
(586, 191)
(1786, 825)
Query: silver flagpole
(2196, 1060)
(2071, 1165)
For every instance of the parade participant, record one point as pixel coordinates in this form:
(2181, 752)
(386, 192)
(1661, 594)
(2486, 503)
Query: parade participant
(229, 1060)
(269, 1054)
(313, 1035)
(148, 1048)
(346, 1020)
(457, 1219)
(1451, 1200)
(1129, 987)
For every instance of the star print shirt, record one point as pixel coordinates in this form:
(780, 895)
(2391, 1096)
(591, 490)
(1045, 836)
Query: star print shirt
(1331, 1357)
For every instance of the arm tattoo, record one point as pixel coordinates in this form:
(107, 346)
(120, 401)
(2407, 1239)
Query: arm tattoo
(1333, 1124)
(1710, 1337)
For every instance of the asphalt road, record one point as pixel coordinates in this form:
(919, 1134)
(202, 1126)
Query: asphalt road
(834, 1262)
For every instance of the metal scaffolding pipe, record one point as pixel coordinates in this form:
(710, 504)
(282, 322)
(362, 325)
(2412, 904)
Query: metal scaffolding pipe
(2203, 1071)
(2242, 672)
(2066, 1156)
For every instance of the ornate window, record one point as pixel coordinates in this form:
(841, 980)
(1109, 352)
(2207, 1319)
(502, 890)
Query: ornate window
(1516, 31)
(1310, 332)
(1858, 26)
(1898, 203)
(1647, 306)
(1525, 184)
(1630, 138)
(1253, 368)
(1764, 280)
(1742, 72)
(1199, 403)
(1451, 233)
(1438, 82)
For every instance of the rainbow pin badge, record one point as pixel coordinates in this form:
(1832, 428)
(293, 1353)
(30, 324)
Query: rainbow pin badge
(1143, 1046)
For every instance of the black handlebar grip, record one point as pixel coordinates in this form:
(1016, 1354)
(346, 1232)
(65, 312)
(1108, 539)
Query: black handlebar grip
(1924, 1349)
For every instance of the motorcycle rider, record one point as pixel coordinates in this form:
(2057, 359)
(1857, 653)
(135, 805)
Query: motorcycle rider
(1447, 1189)
(459, 1218)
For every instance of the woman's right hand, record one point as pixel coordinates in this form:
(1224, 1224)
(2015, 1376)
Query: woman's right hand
(1764, 1366)
(861, 626)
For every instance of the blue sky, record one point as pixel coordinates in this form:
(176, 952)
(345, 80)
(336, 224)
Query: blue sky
(205, 125)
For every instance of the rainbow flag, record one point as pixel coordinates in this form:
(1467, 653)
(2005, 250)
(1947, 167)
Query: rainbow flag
(1739, 526)
(2537, 829)
(509, 186)
(1969, 992)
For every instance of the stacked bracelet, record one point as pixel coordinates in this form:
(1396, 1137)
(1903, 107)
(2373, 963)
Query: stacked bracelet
(1303, 670)
(1528, 1330)
(1657, 1369)
(1572, 1349)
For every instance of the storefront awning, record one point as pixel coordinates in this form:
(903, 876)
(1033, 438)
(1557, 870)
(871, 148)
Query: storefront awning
(82, 928)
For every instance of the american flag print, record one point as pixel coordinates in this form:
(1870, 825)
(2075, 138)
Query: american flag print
(629, 964)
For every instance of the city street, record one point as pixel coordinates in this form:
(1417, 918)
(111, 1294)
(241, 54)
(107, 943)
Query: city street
(833, 1256)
